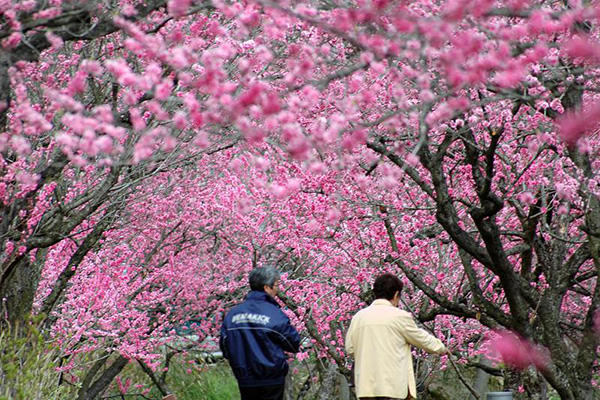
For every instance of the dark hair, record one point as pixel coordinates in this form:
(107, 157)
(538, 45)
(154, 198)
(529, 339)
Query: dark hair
(261, 276)
(386, 286)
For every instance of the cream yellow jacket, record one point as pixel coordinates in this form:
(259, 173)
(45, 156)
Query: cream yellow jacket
(380, 337)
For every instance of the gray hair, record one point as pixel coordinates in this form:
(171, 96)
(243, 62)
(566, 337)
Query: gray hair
(261, 276)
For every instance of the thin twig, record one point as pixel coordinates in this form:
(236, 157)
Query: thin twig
(463, 380)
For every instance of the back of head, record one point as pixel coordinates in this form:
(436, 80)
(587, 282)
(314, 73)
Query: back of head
(386, 286)
(261, 276)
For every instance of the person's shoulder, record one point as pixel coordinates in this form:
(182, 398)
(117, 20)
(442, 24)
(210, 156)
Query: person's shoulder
(271, 308)
(270, 304)
(242, 304)
(240, 307)
(233, 310)
(365, 312)
(403, 315)
(276, 315)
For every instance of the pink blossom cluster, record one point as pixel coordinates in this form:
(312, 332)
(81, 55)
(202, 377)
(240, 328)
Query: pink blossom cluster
(259, 132)
(518, 352)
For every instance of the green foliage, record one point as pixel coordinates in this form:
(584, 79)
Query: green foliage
(187, 379)
(213, 382)
(28, 366)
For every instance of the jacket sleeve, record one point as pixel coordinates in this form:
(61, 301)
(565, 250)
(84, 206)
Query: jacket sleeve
(223, 341)
(290, 339)
(349, 342)
(419, 337)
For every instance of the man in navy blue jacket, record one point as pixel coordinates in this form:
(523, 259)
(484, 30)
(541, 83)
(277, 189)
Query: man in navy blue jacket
(255, 335)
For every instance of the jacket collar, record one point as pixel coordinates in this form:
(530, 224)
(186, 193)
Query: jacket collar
(382, 302)
(257, 295)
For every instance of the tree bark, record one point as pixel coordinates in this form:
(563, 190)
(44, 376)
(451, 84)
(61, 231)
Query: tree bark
(102, 383)
(18, 289)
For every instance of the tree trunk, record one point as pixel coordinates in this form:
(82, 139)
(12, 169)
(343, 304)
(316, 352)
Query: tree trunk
(102, 383)
(481, 379)
(18, 287)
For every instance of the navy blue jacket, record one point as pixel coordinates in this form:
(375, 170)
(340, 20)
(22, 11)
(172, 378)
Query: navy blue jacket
(253, 338)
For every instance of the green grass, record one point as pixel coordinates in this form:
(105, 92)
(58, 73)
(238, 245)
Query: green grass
(212, 382)
(187, 379)
(28, 372)
(28, 367)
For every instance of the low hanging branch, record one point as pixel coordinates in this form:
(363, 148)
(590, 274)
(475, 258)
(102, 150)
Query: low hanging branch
(394, 245)
(463, 380)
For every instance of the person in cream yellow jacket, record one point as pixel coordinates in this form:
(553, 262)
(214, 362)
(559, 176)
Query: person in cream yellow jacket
(380, 338)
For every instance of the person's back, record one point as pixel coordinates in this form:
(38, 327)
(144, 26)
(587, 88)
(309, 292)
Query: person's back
(254, 336)
(377, 334)
(257, 334)
(380, 337)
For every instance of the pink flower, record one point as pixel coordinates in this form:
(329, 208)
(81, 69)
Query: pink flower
(128, 10)
(180, 120)
(201, 140)
(526, 198)
(197, 119)
(163, 89)
(77, 84)
(519, 352)
(137, 121)
(261, 163)
(27, 179)
(253, 134)
(66, 140)
(574, 125)
(310, 95)
(510, 77)
(9, 247)
(91, 67)
(20, 145)
(412, 160)
(454, 10)
(250, 18)
(142, 150)
(178, 8)
(279, 191)
(12, 41)
(48, 13)
(293, 185)
(55, 41)
(122, 72)
(580, 47)
(538, 22)
(250, 96)
(104, 113)
(317, 168)
(103, 144)
(271, 104)
(179, 58)
(333, 216)
(389, 182)
(123, 386)
(355, 138)
(298, 148)
(564, 192)
(26, 6)
(562, 210)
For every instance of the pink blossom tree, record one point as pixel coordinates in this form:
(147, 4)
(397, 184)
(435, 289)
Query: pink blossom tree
(147, 146)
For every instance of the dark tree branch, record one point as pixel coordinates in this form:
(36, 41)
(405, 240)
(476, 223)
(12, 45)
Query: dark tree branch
(93, 391)
(159, 383)
(83, 249)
